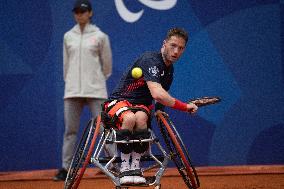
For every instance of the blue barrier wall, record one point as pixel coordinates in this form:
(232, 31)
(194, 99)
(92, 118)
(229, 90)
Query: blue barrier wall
(235, 52)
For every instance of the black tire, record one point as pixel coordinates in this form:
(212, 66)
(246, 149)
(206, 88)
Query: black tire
(82, 155)
(177, 151)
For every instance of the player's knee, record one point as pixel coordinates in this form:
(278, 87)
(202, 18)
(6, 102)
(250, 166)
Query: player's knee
(128, 120)
(141, 147)
(124, 134)
(141, 118)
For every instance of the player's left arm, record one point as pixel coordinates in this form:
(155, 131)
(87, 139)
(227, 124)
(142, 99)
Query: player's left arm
(168, 83)
(163, 97)
(160, 94)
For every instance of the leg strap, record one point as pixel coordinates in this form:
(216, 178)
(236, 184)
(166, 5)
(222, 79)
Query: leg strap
(141, 147)
(124, 134)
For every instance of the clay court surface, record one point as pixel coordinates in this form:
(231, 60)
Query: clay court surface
(230, 177)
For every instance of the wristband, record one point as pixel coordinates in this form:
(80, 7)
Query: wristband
(179, 105)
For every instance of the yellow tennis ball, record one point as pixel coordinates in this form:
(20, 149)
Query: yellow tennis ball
(136, 73)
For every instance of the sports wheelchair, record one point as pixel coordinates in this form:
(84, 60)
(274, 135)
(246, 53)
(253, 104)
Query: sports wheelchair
(90, 151)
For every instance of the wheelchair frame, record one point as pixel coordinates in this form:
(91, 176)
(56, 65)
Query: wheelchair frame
(87, 154)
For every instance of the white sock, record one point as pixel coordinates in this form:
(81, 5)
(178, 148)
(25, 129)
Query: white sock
(135, 160)
(124, 162)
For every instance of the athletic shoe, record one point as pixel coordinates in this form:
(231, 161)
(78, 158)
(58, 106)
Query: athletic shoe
(61, 175)
(138, 177)
(139, 180)
(126, 177)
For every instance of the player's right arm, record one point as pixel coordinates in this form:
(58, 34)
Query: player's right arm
(162, 96)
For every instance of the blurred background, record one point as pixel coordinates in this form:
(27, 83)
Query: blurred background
(235, 51)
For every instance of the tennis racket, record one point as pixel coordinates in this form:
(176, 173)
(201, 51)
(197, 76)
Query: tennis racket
(204, 101)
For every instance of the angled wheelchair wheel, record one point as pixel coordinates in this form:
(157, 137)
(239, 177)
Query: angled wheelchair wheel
(82, 155)
(178, 152)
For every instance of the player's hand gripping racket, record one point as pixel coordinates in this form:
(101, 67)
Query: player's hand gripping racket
(204, 101)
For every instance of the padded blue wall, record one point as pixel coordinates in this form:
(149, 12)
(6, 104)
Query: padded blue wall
(235, 51)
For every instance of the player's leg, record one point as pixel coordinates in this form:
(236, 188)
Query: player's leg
(141, 119)
(125, 133)
(140, 132)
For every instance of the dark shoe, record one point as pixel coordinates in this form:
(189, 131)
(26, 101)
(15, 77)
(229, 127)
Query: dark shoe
(61, 175)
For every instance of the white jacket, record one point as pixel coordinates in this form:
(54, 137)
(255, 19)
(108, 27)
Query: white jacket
(87, 62)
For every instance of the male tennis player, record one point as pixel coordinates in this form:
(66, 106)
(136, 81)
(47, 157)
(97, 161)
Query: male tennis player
(157, 69)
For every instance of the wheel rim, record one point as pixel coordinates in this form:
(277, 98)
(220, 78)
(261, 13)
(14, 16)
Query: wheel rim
(82, 155)
(177, 149)
(89, 154)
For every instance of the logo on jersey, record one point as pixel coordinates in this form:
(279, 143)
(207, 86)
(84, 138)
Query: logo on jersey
(154, 71)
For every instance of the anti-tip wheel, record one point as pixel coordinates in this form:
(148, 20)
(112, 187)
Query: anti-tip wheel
(158, 186)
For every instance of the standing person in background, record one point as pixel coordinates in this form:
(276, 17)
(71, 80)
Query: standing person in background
(87, 64)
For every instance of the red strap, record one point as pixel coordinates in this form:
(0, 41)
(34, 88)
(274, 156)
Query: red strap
(179, 105)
